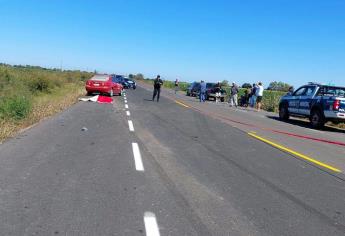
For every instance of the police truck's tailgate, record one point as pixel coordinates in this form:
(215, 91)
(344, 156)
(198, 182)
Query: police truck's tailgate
(342, 105)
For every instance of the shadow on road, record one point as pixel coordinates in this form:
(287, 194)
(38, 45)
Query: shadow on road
(305, 124)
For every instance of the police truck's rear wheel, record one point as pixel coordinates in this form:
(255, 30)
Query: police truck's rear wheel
(316, 119)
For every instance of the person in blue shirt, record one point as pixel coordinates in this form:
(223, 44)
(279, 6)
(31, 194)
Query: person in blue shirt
(202, 91)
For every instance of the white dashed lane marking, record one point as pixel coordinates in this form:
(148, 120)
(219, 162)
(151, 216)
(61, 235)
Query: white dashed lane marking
(151, 225)
(137, 157)
(130, 125)
(150, 221)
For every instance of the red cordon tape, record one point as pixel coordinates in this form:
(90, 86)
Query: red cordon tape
(308, 137)
(276, 131)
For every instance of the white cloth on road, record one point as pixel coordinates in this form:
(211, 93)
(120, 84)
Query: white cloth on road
(91, 99)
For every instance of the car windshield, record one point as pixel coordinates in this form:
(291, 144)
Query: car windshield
(299, 91)
(118, 79)
(332, 91)
(100, 78)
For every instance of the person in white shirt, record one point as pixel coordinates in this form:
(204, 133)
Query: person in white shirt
(259, 94)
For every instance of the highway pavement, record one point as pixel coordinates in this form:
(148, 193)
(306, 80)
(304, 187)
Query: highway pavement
(176, 167)
(326, 145)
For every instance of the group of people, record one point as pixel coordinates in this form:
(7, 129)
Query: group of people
(253, 96)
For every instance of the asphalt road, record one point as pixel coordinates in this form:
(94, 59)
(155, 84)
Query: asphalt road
(326, 145)
(172, 170)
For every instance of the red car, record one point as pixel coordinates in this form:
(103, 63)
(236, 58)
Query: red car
(104, 84)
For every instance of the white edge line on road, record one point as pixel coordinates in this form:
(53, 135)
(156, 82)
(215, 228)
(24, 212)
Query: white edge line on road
(128, 113)
(126, 106)
(130, 125)
(151, 225)
(137, 157)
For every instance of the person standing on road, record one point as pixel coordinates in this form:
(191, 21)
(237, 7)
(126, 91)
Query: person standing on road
(253, 96)
(234, 95)
(259, 94)
(202, 91)
(157, 83)
(176, 86)
(247, 95)
(217, 90)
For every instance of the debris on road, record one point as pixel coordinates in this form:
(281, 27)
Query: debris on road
(91, 99)
(103, 99)
(97, 98)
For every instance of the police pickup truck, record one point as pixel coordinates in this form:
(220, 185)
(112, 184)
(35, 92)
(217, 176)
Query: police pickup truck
(319, 103)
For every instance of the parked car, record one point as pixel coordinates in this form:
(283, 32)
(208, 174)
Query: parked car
(319, 103)
(131, 83)
(121, 80)
(212, 89)
(193, 90)
(103, 84)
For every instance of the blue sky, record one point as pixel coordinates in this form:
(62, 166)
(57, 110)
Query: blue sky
(242, 41)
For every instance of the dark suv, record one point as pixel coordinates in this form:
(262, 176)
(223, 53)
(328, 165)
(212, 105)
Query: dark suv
(121, 80)
(212, 89)
(131, 83)
(193, 89)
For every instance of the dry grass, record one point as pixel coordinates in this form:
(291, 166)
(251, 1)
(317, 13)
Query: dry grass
(43, 106)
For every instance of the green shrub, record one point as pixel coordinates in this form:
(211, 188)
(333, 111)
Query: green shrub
(40, 84)
(57, 83)
(270, 100)
(70, 79)
(171, 84)
(84, 78)
(16, 107)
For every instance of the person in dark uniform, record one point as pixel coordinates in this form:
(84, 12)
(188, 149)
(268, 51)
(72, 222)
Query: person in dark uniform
(157, 83)
(176, 85)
